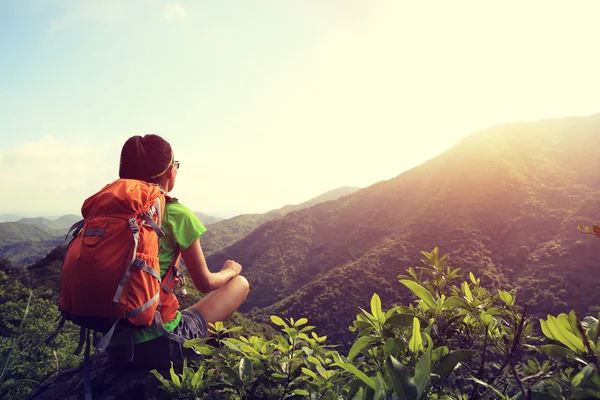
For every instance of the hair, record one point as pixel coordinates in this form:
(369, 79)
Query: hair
(144, 157)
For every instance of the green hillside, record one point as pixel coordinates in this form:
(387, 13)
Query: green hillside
(24, 244)
(505, 203)
(225, 233)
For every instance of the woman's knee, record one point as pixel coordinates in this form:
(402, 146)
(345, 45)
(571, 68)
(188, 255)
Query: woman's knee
(241, 284)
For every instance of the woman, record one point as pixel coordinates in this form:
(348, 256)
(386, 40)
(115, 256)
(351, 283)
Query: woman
(150, 158)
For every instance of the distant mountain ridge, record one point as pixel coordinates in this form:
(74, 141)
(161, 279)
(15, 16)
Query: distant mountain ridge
(505, 203)
(225, 233)
(59, 224)
(9, 217)
(208, 219)
(23, 244)
(27, 240)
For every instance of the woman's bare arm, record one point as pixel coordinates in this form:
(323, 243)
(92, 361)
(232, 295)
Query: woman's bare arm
(203, 279)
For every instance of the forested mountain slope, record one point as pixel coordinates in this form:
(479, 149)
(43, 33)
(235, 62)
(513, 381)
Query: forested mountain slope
(225, 233)
(23, 244)
(505, 203)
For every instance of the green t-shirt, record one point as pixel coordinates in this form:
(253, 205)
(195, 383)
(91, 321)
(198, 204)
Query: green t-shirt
(181, 227)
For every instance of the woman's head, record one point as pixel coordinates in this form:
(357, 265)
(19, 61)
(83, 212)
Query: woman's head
(148, 158)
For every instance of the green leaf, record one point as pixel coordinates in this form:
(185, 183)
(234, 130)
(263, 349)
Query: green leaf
(310, 373)
(472, 277)
(563, 335)
(592, 327)
(403, 319)
(506, 297)
(402, 382)
(205, 349)
(393, 346)
(245, 369)
(360, 344)
(237, 381)
(376, 308)
(301, 322)
(159, 377)
(449, 362)
(371, 318)
(583, 375)
(197, 378)
(467, 292)
(440, 352)
(455, 301)
(300, 392)
(174, 376)
(423, 371)
(565, 323)
(323, 372)
(557, 351)
(359, 395)
(421, 293)
(306, 329)
(278, 321)
(356, 372)
(231, 344)
(248, 349)
(362, 324)
(416, 341)
(234, 329)
(546, 330)
(314, 360)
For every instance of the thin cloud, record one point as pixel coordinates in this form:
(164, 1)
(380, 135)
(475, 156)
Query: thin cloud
(51, 175)
(174, 11)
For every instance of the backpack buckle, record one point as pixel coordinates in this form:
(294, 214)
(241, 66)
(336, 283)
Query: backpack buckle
(133, 225)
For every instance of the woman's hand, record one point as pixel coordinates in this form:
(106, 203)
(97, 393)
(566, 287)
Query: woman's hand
(232, 265)
(203, 279)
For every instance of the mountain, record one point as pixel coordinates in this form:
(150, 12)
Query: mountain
(24, 243)
(29, 239)
(225, 233)
(208, 219)
(9, 217)
(504, 203)
(60, 224)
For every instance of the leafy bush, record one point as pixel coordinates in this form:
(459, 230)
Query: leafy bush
(456, 342)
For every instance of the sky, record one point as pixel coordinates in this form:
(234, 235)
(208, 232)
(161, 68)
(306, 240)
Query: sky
(268, 103)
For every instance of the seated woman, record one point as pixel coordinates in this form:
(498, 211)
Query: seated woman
(150, 158)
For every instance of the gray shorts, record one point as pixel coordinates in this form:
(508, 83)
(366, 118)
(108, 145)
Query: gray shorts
(160, 352)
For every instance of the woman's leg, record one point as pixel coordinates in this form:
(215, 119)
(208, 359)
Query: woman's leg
(221, 303)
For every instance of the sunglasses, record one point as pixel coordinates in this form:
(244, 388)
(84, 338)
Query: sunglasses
(176, 164)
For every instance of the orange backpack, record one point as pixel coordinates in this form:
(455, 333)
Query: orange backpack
(111, 270)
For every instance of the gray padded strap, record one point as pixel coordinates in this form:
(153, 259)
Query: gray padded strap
(159, 325)
(145, 267)
(157, 206)
(135, 231)
(94, 232)
(144, 307)
(103, 343)
(75, 227)
(148, 219)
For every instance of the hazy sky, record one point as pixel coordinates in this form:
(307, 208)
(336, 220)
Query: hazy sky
(269, 103)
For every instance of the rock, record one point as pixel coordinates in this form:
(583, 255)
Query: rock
(110, 381)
